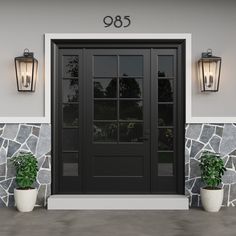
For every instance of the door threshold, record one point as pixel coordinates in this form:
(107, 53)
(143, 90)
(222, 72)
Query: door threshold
(117, 202)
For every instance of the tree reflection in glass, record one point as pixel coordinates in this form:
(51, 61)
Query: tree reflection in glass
(70, 90)
(131, 132)
(130, 88)
(165, 139)
(105, 132)
(70, 115)
(165, 90)
(105, 88)
(131, 110)
(71, 66)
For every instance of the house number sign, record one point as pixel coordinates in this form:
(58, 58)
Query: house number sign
(117, 21)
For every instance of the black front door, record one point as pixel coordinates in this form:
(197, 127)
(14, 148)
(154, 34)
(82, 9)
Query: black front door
(118, 119)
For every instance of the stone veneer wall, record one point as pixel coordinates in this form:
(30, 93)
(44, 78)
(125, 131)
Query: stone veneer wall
(36, 138)
(220, 138)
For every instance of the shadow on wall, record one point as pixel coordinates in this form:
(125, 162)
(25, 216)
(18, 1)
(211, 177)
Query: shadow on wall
(35, 138)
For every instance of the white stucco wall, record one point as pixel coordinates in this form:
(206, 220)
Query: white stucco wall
(23, 23)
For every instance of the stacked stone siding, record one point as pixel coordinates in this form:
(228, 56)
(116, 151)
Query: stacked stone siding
(36, 138)
(219, 138)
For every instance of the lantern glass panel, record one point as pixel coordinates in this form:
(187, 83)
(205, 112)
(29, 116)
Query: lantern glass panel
(26, 69)
(209, 74)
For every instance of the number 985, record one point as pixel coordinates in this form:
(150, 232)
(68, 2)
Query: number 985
(117, 21)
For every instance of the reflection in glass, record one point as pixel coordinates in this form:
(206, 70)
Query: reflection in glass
(165, 163)
(165, 157)
(165, 66)
(131, 66)
(105, 66)
(105, 110)
(165, 90)
(70, 90)
(105, 88)
(131, 110)
(131, 88)
(105, 132)
(165, 139)
(70, 164)
(70, 66)
(165, 114)
(131, 132)
(70, 169)
(70, 114)
(165, 169)
(70, 140)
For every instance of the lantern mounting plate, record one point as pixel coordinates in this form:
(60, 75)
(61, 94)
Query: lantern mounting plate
(27, 53)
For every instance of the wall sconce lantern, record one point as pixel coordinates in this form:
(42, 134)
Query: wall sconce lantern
(209, 72)
(26, 71)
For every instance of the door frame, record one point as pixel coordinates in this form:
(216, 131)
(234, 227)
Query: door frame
(53, 51)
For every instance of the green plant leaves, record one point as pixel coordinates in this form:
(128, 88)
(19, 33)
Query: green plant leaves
(212, 169)
(26, 169)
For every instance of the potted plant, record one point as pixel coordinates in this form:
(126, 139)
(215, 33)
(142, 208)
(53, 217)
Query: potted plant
(26, 172)
(212, 170)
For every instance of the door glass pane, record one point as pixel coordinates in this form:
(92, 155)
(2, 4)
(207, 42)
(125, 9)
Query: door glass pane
(105, 132)
(131, 88)
(166, 66)
(105, 66)
(70, 90)
(105, 88)
(70, 140)
(131, 66)
(70, 66)
(165, 90)
(165, 163)
(70, 164)
(131, 110)
(165, 139)
(165, 115)
(70, 114)
(131, 132)
(105, 110)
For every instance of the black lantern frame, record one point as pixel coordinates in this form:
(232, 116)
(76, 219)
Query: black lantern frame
(26, 67)
(209, 72)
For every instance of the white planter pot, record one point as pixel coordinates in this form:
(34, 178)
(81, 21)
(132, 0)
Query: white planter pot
(212, 199)
(25, 199)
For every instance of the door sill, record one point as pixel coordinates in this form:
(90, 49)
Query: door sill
(118, 202)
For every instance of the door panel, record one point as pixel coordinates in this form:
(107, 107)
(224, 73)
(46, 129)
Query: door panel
(165, 121)
(118, 119)
(68, 116)
(117, 86)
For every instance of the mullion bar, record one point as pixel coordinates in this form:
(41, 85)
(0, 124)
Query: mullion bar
(159, 77)
(107, 121)
(122, 121)
(124, 76)
(69, 78)
(168, 103)
(119, 99)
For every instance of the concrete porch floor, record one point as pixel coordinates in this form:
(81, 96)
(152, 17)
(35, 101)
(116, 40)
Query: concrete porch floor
(41, 222)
